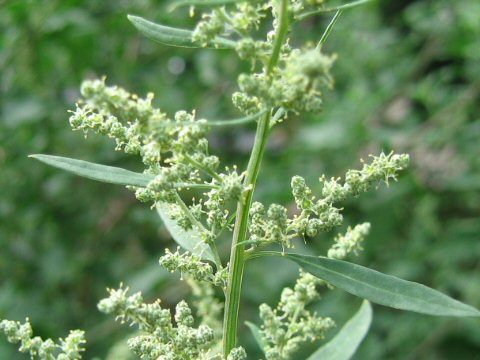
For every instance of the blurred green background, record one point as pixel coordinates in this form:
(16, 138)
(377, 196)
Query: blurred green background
(407, 78)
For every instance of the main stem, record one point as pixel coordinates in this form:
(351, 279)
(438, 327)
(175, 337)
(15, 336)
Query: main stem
(237, 255)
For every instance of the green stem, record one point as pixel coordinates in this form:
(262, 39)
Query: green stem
(200, 167)
(238, 121)
(237, 256)
(237, 260)
(282, 30)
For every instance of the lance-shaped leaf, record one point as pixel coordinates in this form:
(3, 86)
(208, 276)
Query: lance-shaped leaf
(379, 288)
(188, 239)
(181, 3)
(104, 173)
(347, 340)
(255, 330)
(173, 36)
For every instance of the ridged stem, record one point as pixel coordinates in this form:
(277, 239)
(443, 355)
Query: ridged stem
(237, 256)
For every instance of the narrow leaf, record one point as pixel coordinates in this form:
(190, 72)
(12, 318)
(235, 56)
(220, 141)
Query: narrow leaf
(331, 9)
(344, 345)
(181, 3)
(173, 36)
(380, 288)
(104, 173)
(328, 29)
(189, 240)
(255, 330)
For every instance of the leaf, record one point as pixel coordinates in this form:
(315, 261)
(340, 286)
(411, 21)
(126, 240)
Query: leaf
(182, 3)
(173, 36)
(380, 288)
(331, 9)
(344, 345)
(255, 330)
(104, 173)
(189, 240)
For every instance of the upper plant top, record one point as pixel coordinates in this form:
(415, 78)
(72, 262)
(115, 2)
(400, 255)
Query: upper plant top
(175, 152)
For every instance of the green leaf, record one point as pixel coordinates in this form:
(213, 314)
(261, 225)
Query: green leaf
(379, 288)
(255, 330)
(189, 240)
(331, 9)
(173, 36)
(104, 173)
(182, 3)
(346, 342)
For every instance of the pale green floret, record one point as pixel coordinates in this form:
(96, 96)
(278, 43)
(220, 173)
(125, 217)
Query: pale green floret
(220, 21)
(296, 87)
(209, 308)
(66, 349)
(237, 353)
(350, 242)
(175, 152)
(290, 325)
(188, 264)
(160, 338)
(320, 215)
(209, 28)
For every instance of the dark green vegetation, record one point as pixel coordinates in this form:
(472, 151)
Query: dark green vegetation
(407, 78)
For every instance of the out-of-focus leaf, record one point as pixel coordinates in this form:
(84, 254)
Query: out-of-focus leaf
(173, 36)
(380, 288)
(182, 3)
(189, 240)
(344, 345)
(255, 330)
(104, 173)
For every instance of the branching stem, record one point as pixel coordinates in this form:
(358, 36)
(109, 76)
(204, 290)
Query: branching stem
(237, 256)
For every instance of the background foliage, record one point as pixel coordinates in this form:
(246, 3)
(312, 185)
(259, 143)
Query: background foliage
(407, 78)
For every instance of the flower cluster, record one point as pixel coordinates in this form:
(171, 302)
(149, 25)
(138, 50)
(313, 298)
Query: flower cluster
(319, 215)
(66, 349)
(299, 6)
(285, 328)
(175, 152)
(209, 308)
(193, 266)
(350, 242)
(221, 21)
(160, 338)
(297, 86)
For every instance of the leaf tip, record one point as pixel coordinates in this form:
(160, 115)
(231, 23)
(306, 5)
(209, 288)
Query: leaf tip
(134, 19)
(36, 156)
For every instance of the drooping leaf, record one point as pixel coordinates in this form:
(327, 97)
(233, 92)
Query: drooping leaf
(104, 173)
(380, 288)
(189, 240)
(344, 345)
(173, 36)
(255, 330)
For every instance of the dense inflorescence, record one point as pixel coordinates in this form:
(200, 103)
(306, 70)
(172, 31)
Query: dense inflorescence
(69, 348)
(273, 225)
(290, 324)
